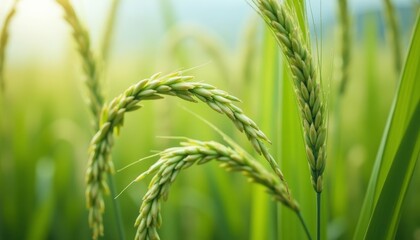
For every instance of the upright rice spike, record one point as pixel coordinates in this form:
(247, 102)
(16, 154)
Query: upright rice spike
(307, 86)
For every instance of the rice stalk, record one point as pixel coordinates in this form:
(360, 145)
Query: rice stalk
(94, 87)
(168, 14)
(248, 51)
(308, 90)
(90, 63)
(394, 34)
(112, 119)
(191, 152)
(109, 29)
(343, 69)
(4, 39)
(345, 55)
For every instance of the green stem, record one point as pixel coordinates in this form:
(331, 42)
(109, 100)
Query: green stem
(345, 44)
(394, 33)
(308, 234)
(318, 215)
(109, 29)
(276, 221)
(117, 210)
(106, 44)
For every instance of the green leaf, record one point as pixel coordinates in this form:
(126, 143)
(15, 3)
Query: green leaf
(294, 163)
(397, 155)
(261, 203)
(384, 222)
(292, 154)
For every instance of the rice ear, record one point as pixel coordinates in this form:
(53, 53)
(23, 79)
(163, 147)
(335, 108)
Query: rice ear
(307, 86)
(173, 160)
(173, 84)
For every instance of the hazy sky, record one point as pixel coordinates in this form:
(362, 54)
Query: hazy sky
(38, 30)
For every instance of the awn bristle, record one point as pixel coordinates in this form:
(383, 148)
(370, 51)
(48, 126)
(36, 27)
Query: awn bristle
(112, 119)
(173, 160)
(308, 90)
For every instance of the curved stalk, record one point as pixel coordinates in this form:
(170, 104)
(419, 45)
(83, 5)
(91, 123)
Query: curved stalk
(394, 34)
(318, 215)
(305, 227)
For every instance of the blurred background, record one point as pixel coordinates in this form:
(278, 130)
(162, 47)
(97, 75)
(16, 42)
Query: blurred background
(45, 126)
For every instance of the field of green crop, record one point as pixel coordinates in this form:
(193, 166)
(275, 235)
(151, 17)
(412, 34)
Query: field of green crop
(62, 63)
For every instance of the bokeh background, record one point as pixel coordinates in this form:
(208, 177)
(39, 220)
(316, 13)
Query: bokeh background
(45, 126)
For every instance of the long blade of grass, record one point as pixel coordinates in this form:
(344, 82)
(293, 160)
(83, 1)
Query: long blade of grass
(260, 202)
(109, 29)
(386, 215)
(387, 183)
(293, 161)
(345, 42)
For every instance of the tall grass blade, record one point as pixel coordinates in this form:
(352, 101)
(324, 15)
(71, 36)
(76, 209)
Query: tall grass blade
(109, 29)
(386, 215)
(260, 227)
(345, 41)
(388, 184)
(293, 160)
(292, 148)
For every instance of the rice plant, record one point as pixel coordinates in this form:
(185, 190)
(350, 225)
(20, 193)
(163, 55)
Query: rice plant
(174, 84)
(315, 106)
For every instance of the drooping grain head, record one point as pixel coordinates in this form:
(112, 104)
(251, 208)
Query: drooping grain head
(90, 63)
(155, 87)
(98, 186)
(173, 160)
(284, 26)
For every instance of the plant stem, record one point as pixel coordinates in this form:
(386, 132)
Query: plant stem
(276, 221)
(394, 33)
(308, 234)
(318, 215)
(117, 210)
(345, 44)
(109, 29)
(105, 48)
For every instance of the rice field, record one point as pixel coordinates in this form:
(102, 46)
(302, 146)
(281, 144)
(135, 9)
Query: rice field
(258, 119)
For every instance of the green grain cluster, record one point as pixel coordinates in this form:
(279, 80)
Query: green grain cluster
(173, 160)
(308, 90)
(112, 118)
(95, 102)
